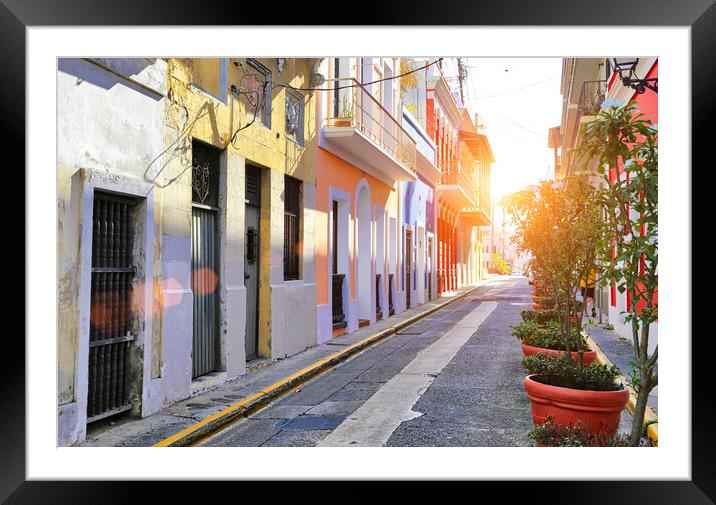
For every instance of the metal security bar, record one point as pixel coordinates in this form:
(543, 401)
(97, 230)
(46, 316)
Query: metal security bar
(291, 228)
(204, 285)
(391, 310)
(378, 310)
(356, 106)
(111, 314)
(338, 315)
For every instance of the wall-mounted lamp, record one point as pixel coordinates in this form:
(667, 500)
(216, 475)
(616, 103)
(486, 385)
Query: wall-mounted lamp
(625, 68)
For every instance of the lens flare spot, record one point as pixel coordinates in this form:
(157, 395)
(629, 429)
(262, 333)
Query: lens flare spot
(204, 281)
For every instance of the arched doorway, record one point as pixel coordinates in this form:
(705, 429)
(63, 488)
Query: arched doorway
(366, 309)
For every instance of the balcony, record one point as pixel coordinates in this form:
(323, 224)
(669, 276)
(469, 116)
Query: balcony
(591, 97)
(457, 188)
(475, 216)
(361, 131)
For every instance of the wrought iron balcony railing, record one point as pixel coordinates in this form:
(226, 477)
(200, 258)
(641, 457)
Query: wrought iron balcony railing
(353, 105)
(591, 98)
(455, 175)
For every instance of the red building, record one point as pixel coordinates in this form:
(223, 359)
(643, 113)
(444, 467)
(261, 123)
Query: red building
(464, 159)
(587, 83)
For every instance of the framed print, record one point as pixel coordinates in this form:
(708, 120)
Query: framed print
(325, 238)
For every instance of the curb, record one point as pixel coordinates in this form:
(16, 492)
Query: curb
(215, 422)
(651, 420)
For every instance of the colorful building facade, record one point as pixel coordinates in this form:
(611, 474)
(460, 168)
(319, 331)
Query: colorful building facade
(186, 204)
(215, 214)
(586, 84)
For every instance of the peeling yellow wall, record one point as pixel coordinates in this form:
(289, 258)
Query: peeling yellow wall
(192, 113)
(208, 119)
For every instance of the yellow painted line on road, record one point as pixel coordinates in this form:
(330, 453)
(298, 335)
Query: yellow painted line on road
(308, 372)
(650, 417)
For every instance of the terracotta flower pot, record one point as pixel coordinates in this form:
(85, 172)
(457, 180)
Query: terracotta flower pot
(600, 411)
(587, 358)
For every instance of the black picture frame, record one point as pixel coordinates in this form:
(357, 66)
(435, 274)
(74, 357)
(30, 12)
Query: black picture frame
(700, 15)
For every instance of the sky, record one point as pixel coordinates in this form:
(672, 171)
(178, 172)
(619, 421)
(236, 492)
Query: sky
(518, 100)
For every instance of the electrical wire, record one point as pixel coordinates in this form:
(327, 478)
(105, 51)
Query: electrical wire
(284, 85)
(517, 89)
(240, 92)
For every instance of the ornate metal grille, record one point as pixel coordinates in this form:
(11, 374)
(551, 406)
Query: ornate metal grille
(291, 228)
(259, 86)
(294, 117)
(111, 313)
(205, 174)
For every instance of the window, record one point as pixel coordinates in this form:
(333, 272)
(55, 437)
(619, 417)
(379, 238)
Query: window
(258, 88)
(209, 75)
(291, 228)
(294, 117)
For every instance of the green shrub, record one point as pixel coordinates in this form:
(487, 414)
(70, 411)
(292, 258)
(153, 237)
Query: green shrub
(550, 434)
(547, 336)
(499, 264)
(563, 371)
(526, 330)
(539, 316)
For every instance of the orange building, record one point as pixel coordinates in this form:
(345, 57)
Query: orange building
(402, 187)
(363, 154)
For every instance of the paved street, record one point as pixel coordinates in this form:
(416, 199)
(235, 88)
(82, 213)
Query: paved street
(452, 379)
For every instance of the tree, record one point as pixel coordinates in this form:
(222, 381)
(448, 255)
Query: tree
(626, 148)
(561, 224)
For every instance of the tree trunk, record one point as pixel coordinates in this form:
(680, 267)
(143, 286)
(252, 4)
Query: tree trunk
(642, 398)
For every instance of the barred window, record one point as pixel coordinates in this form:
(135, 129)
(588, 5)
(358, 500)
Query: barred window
(294, 117)
(291, 228)
(259, 86)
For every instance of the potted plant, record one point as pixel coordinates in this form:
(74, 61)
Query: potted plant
(560, 224)
(570, 393)
(546, 339)
(539, 316)
(626, 149)
(346, 116)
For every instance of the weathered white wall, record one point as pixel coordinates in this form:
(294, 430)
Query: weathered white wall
(110, 126)
(293, 303)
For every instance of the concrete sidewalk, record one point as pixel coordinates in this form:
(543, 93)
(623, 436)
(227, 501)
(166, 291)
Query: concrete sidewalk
(174, 418)
(618, 349)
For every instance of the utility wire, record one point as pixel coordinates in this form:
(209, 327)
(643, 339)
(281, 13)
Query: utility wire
(283, 85)
(517, 89)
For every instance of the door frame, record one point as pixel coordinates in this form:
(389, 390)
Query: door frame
(408, 255)
(344, 264)
(84, 182)
(216, 211)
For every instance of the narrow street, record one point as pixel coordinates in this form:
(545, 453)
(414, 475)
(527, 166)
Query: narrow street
(452, 379)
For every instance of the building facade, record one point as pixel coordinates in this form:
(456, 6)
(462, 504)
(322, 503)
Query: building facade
(186, 191)
(464, 160)
(587, 83)
(218, 213)
(364, 154)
